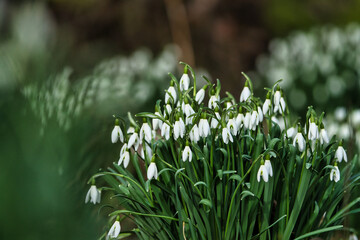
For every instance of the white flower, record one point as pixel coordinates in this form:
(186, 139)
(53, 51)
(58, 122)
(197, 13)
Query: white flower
(168, 110)
(262, 172)
(266, 106)
(130, 130)
(335, 174)
(355, 117)
(204, 128)
(156, 123)
(226, 136)
(149, 152)
(282, 106)
(340, 154)
(340, 114)
(228, 105)
(245, 94)
(323, 136)
(254, 120)
(290, 132)
(200, 96)
(114, 230)
(353, 237)
(213, 102)
(300, 141)
(165, 131)
(123, 149)
(313, 131)
(152, 171)
(231, 125)
(214, 121)
(277, 97)
(134, 140)
(145, 132)
(184, 82)
(179, 129)
(171, 91)
(93, 195)
(124, 157)
(194, 134)
(269, 167)
(247, 120)
(117, 134)
(189, 111)
(261, 116)
(239, 121)
(187, 154)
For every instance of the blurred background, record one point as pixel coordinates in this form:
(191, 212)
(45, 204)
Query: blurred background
(67, 66)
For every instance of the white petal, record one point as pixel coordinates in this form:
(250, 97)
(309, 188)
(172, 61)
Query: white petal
(115, 134)
(126, 159)
(200, 96)
(151, 170)
(266, 106)
(277, 97)
(245, 94)
(184, 82)
(87, 198)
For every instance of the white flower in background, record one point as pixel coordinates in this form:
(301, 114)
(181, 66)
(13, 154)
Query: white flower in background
(226, 136)
(353, 237)
(279, 121)
(204, 128)
(145, 132)
(93, 195)
(187, 154)
(213, 102)
(290, 132)
(168, 110)
(228, 105)
(340, 153)
(313, 131)
(231, 125)
(184, 82)
(149, 152)
(124, 158)
(239, 120)
(323, 136)
(247, 120)
(130, 130)
(261, 116)
(194, 134)
(269, 167)
(116, 133)
(266, 106)
(245, 94)
(299, 140)
(200, 96)
(156, 123)
(214, 120)
(114, 230)
(171, 91)
(179, 129)
(355, 118)
(134, 140)
(152, 171)
(263, 172)
(340, 114)
(165, 131)
(335, 174)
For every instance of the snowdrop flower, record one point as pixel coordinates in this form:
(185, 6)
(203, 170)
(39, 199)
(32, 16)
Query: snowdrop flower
(323, 135)
(114, 230)
(245, 94)
(340, 114)
(93, 195)
(130, 130)
(226, 135)
(247, 120)
(187, 153)
(213, 102)
(179, 128)
(116, 133)
(124, 158)
(184, 82)
(231, 125)
(355, 117)
(145, 132)
(263, 172)
(189, 111)
(194, 134)
(277, 97)
(148, 151)
(156, 123)
(152, 171)
(267, 104)
(239, 120)
(204, 128)
(300, 141)
(171, 92)
(214, 120)
(228, 105)
(340, 153)
(261, 116)
(168, 110)
(268, 167)
(313, 130)
(134, 140)
(254, 120)
(290, 132)
(335, 174)
(200, 96)
(165, 131)
(353, 237)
